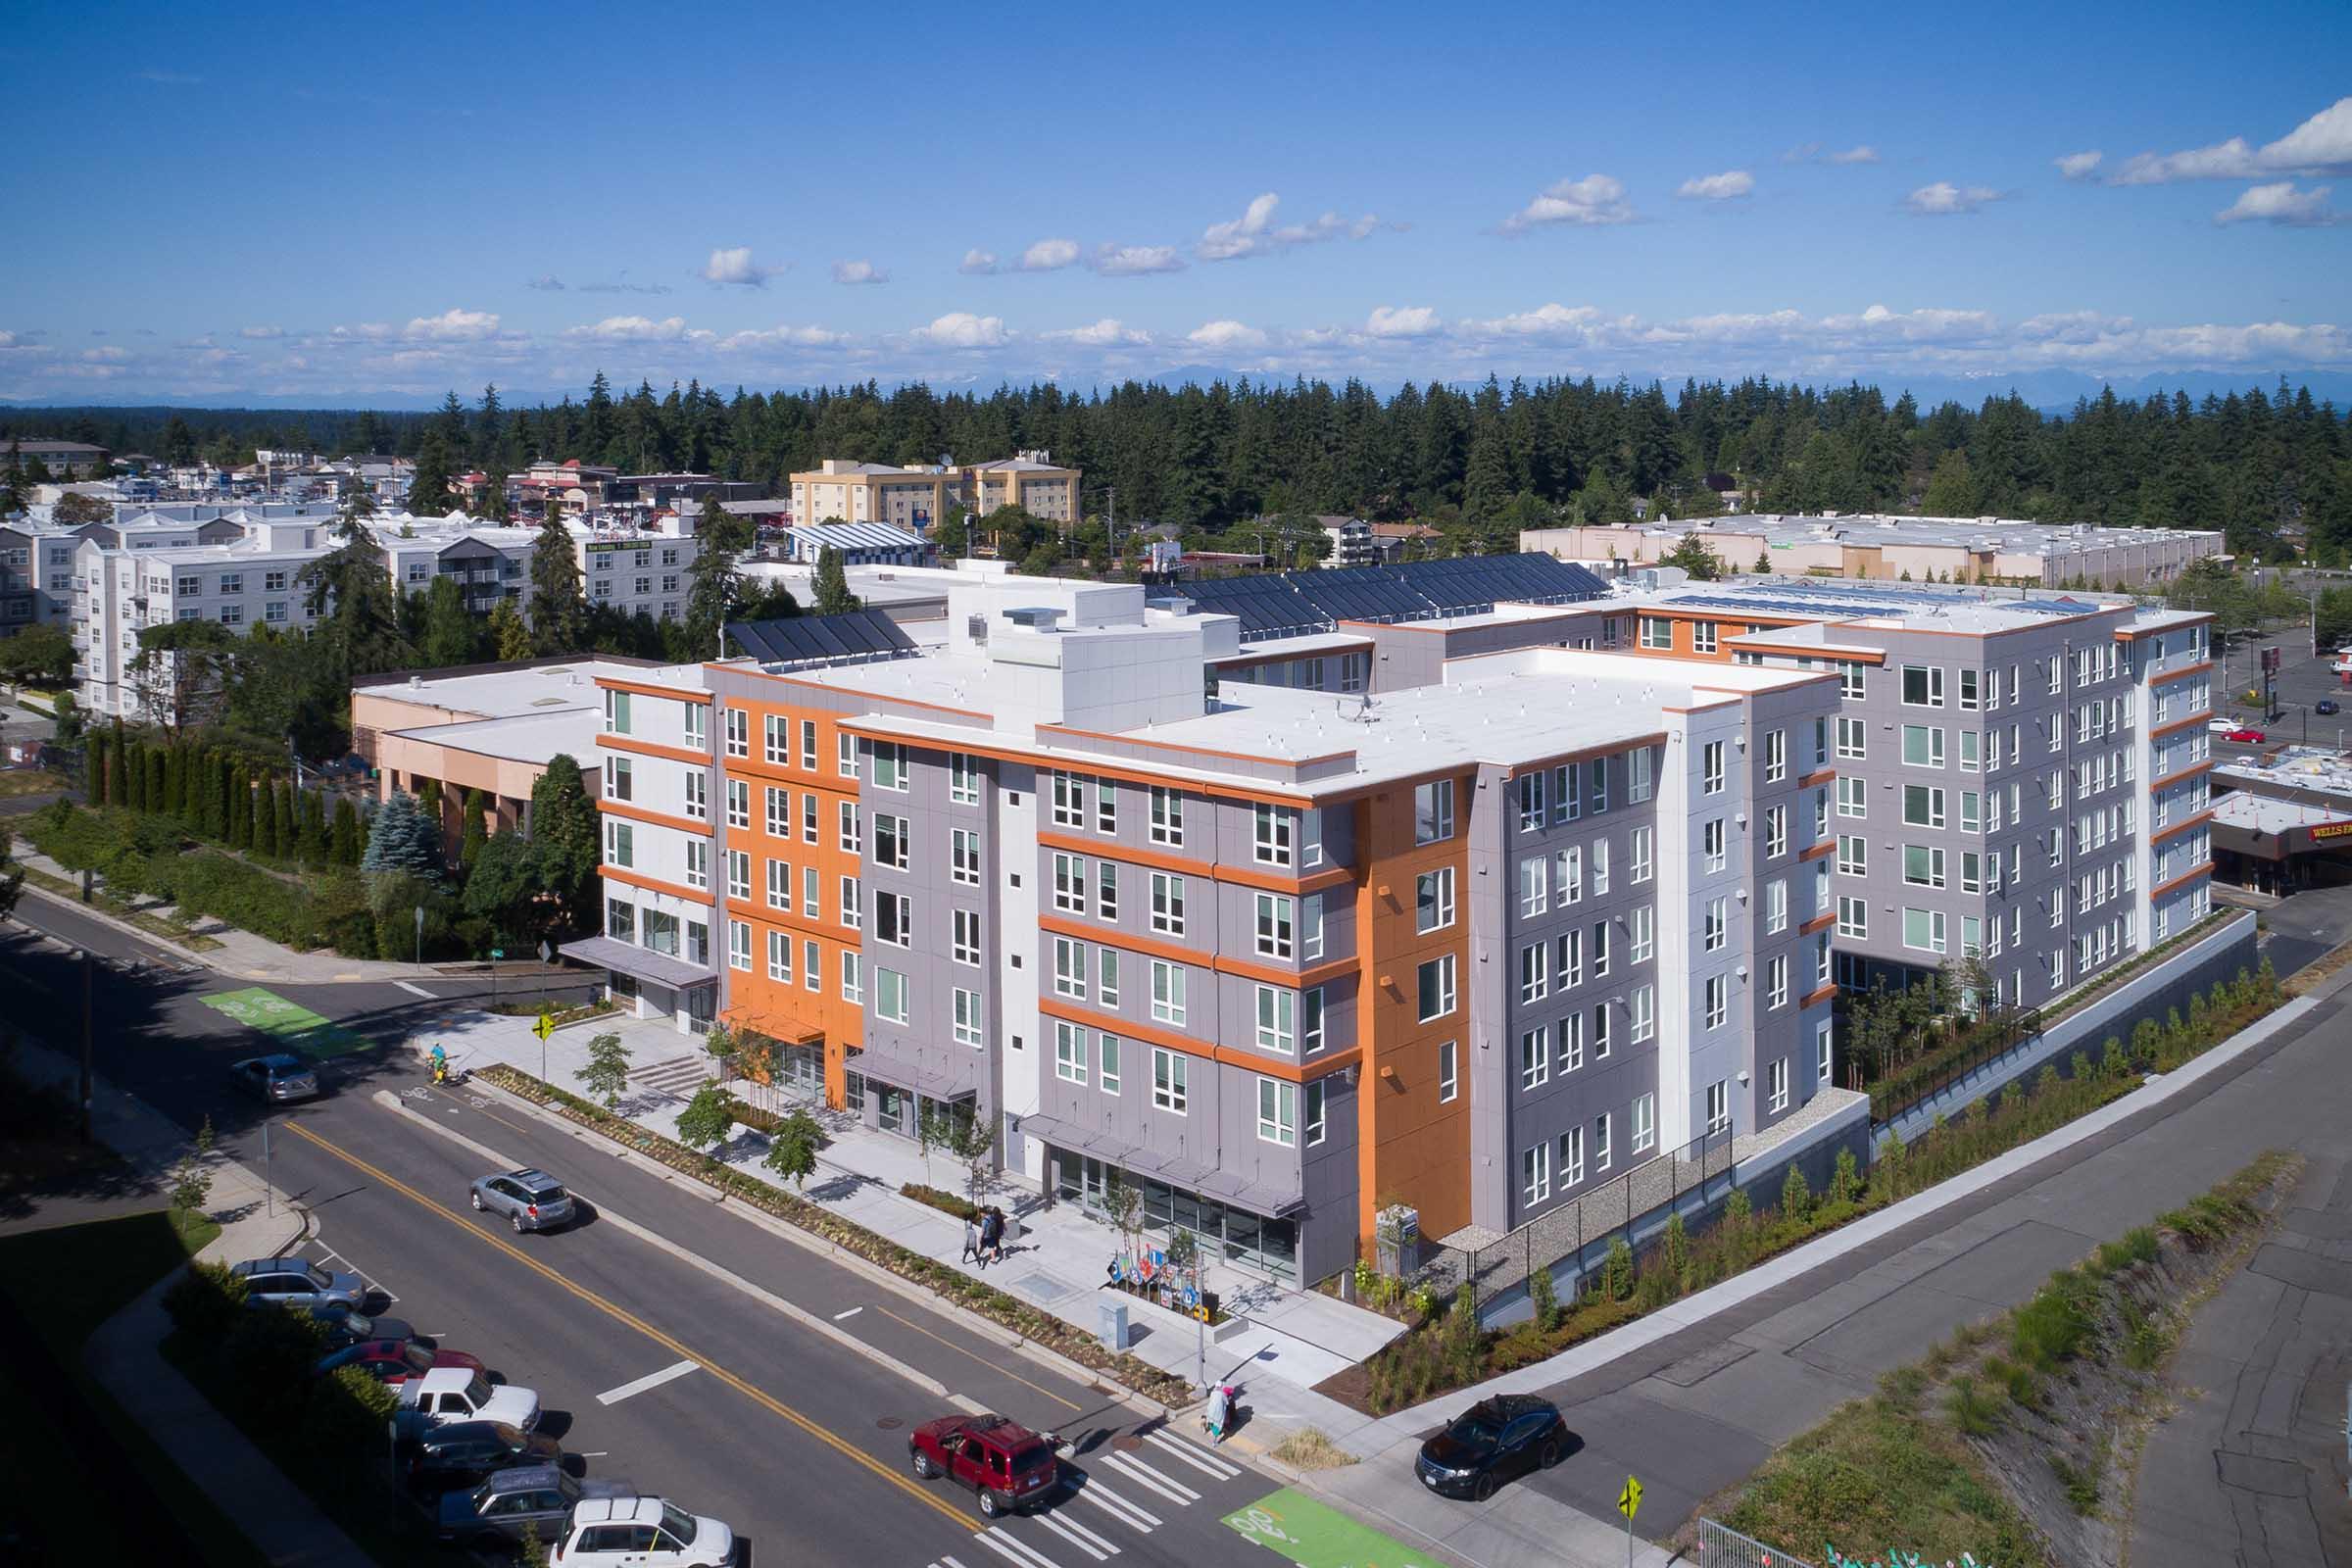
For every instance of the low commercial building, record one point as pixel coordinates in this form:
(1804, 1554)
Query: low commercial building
(1876, 546)
(73, 460)
(2284, 822)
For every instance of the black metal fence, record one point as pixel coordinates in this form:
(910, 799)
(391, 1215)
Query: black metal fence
(1906, 1087)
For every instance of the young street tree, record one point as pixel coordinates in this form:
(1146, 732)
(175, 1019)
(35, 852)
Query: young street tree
(792, 1148)
(709, 1118)
(608, 1071)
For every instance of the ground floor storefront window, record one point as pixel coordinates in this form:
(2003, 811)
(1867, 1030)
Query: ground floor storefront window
(1236, 1235)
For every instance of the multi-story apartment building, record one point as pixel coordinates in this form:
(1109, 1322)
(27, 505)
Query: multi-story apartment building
(1273, 958)
(36, 575)
(917, 497)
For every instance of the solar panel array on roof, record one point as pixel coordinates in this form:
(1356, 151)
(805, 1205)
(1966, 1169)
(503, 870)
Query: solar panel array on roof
(1295, 603)
(819, 639)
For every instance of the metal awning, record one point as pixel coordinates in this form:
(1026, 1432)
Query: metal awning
(881, 1065)
(779, 1027)
(639, 963)
(1174, 1169)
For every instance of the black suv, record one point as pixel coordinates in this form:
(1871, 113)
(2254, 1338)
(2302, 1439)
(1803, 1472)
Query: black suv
(1492, 1442)
(533, 1497)
(434, 1460)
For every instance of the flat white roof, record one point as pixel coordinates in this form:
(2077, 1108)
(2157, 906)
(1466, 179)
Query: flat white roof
(507, 693)
(534, 738)
(2264, 813)
(2302, 768)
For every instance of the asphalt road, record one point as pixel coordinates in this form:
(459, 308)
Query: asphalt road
(765, 1419)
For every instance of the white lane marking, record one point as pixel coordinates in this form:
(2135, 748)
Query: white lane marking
(652, 1380)
(416, 991)
(1004, 1545)
(946, 1562)
(1199, 1458)
(1079, 1535)
(1118, 1507)
(1134, 1469)
(852, 1313)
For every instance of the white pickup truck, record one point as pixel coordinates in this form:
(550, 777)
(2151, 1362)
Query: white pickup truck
(449, 1394)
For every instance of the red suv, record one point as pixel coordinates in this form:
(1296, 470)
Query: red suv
(1009, 1465)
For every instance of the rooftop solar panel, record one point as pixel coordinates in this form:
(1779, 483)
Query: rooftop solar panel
(810, 639)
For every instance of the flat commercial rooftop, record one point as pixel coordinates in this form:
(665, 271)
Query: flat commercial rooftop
(504, 693)
(1892, 606)
(2010, 535)
(534, 738)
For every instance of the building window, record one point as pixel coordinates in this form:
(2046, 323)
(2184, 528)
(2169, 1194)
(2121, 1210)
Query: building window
(809, 818)
(852, 827)
(1854, 855)
(739, 874)
(1776, 756)
(1822, 1037)
(1278, 1112)
(775, 740)
(1315, 1099)
(1535, 1057)
(1645, 1123)
(739, 732)
(964, 859)
(1645, 1014)
(1712, 844)
(1069, 799)
(1535, 1173)
(1719, 1107)
(739, 803)
(1638, 771)
(1703, 636)
(1923, 686)
(1776, 906)
(966, 948)
(812, 966)
(1531, 802)
(1717, 924)
(1923, 806)
(1167, 992)
(1853, 798)
(779, 886)
(1853, 738)
(1922, 745)
(1432, 900)
(1167, 816)
(617, 712)
(1710, 768)
(894, 915)
(1923, 865)
(967, 1017)
(1719, 1001)
(964, 780)
(891, 840)
(698, 863)
(1107, 973)
(1069, 1054)
(1435, 988)
(1775, 980)
(1433, 812)
(1450, 1082)
(1167, 904)
(1853, 919)
(1069, 883)
(1535, 895)
(1535, 972)
(845, 753)
(697, 795)
(621, 921)
(1069, 969)
(1922, 929)
(621, 779)
(1658, 632)
(739, 946)
(1106, 890)
(1110, 1078)
(1270, 837)
(779, 958)
(1168, 1073)
(889, 766)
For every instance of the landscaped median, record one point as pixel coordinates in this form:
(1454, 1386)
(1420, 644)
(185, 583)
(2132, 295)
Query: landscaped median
(2010, 1441)
(940, 1278)
(1449, 1348)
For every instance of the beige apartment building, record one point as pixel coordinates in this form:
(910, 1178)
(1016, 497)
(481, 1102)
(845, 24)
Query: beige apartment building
(915, 498)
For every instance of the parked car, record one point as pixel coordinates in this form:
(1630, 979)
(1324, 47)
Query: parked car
(298, 1282)
(278, 1079)
(1491, 1443)
(642, 1531)
(395, 1361)
(446, 1394)
(2252, 737)
(530, 1199)
(1009, 1465)
(533, 1497)
(2325, 704)
(345, 1328)
(2220, 726)
(437, 1459)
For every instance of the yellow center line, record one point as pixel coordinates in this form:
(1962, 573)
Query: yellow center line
(966, 1349)
(671, 1343)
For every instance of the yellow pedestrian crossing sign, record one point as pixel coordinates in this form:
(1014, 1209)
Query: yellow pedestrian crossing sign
(1629, 1502)
(545, 1026)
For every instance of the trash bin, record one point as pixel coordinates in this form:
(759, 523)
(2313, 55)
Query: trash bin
(1112, 1323)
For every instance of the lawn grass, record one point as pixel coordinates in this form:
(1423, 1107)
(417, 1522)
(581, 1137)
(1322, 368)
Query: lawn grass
(56, 1287)
(21, 781)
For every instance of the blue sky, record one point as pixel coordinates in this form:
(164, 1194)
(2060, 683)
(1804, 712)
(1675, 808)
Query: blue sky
(313, 203)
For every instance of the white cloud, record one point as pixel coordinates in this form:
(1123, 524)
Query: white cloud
(1134, 261)
(960, 329)
(452, 326)
(1107, 332)
(546, 283)
(107, 355)
(977, 261)
(859, 271)
(782, 337)
(2283, 204)
(2320, 145)
(262, 333)
(1863, 154)
(632, 329)
(1596, 199)
(2078, 165)
(733, 264)
(1943, 199)
(1721, 188)
(1545, 320)
(1410, 321)
(1048, 256)
(1254, 232)
(1226, 335)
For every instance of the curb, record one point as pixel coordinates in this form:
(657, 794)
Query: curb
(91, 911)
(979, 1327)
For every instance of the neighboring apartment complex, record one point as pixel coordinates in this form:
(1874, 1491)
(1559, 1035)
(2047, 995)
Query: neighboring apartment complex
(1874, 547)
(918, 496)
(1271, 955)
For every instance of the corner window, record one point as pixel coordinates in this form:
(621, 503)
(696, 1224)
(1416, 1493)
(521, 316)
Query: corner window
(1433, 812)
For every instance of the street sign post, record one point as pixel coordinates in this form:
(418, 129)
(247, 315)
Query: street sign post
(1628, 1504)
(495, 954)
(543, 1028)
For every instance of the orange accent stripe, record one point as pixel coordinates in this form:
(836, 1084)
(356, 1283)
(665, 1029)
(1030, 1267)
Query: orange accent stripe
(617, 873)
(2186, 877)
(614, 683)
(1825, 775)
(1874, 657)
(1249, 876)
(1820, 922)
(878, 727)
(1605, 749)
(1817, 850)
(1823, 995)
(1151, 946)
(2190, 771)
(2180, 827)
(2180, 724)
(630, 742)
(842, 691)
(638, 813)
(1207, 1050)
(2182, 673)
(1133, 739)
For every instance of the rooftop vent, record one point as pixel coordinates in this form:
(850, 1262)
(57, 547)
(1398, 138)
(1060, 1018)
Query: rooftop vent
(1037, 618)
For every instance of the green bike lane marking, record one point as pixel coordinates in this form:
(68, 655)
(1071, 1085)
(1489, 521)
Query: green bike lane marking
(291, 1023)
(1314, 1534)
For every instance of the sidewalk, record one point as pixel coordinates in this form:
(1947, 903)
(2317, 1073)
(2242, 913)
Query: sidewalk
(1291, 1339)
(124, 1353)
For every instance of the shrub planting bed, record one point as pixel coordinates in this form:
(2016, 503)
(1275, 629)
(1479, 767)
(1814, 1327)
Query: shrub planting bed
(941, 1279)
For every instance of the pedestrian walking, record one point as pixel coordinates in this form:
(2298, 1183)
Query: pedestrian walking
(992, 1235)
(971, 1240)
(1217, 1412)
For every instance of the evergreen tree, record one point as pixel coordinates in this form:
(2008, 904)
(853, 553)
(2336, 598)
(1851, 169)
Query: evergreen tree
(717, 585)
(313, 839)
(240, 807)
(509, 635)
(401, 838)
(476, 832)
(265, 818)
(452, 634)
(559, 608)
(1951, 492)
(345, 846)
(832, 583)
(429, 482)
(565, 838)
(282, 810)
(134, 777)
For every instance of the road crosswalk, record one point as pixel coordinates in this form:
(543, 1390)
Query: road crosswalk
(1133, 1488)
